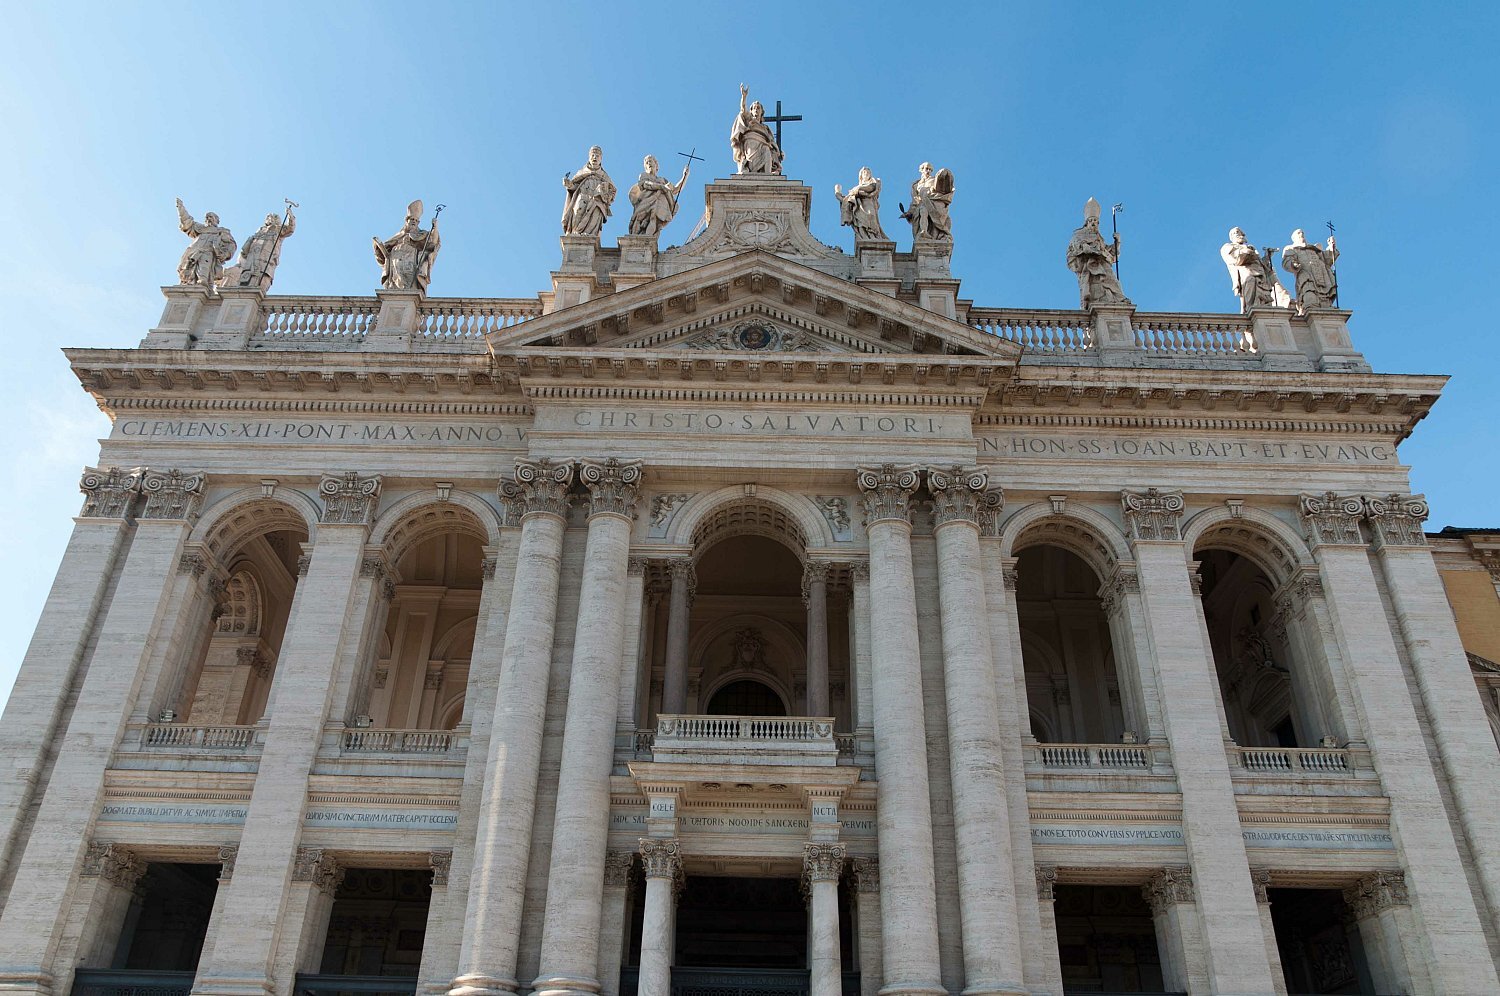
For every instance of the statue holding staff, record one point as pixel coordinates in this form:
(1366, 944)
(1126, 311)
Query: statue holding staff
(406, 258)
(654, 198)
(262, 252)
(859, 208)
(203, 261)
(1312, 267)
(590, 195)
(1093, 260)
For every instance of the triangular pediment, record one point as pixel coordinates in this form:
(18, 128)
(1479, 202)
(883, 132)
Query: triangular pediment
(756, 302)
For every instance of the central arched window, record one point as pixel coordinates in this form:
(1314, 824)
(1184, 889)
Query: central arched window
(746, 698)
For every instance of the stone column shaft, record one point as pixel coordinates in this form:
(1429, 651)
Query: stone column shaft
(867, 923)
(908, 897)
(612, 920)
(859, 647)
(1044, 968)
(1262, 878)
(815, 594)
(981, 817)
(822, 864)
(1170, 895)
(502, 844)
(575, 880)
(662, 861)
(674, 682)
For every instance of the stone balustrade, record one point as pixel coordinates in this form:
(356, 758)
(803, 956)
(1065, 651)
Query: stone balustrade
(1294, 761)
(318, 319)
(472, 318)
(1039, 331)
(1195, 335)
(745, 739)
(207, 739)
(366, 741)
(1096, 757)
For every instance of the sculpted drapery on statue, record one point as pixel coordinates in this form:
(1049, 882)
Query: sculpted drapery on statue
(655, 199)
(754, 147)
(1251, 275)
(590, 194)
(262, 252)
(1093, 260)
(859, 208)
(406, 258)
(212, 246)
(1312, 267)
(931, 194)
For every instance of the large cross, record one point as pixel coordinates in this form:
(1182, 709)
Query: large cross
(778, 117)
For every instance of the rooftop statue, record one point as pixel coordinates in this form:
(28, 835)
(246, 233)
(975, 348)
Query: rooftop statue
(860, 207)
(930, 196)
(1251, 275)
(754, 147)
(1093, 260)
(1312, 267)
(590, 194)
(261, 252)
(655, 199)
(212, 246)
(406, 258)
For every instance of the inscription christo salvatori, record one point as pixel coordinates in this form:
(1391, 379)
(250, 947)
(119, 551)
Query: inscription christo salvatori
(759, 423)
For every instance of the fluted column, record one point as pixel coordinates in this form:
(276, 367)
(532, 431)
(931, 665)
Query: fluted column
(680, 603)
(822, 864)
(242, 959)
(815, 595)
(908, 899)
(538, 496)
(1424, 837)
(1425, 620)
(575, 881)
(31, 924)
(661, 859)
(981, 818)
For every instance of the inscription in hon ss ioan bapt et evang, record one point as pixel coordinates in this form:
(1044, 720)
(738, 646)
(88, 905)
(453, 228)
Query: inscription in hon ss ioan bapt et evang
(1171, 448)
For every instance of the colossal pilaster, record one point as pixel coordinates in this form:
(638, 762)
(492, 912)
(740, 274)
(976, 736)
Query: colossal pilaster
(908, 900)
(575, 881)
(538, 496)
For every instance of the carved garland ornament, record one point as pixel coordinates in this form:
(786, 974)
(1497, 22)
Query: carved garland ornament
(171, 494)
(1331, 518)
(886, 492)
(1397, 519)
(349, 498)
(107, 494)
(1152, 514)
(614, 486)
(823, 862)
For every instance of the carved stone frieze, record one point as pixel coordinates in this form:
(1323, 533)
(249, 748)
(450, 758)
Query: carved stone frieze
(866, 874)
(537, 486)
(661, 857)
(959, 494)
(114, 863)
(617, 865)
(441, 862)
(1396, 520)
(885, 492)
(823, 862)
(1377, 892)
(1332, 519)
(349, 498)
(614, 485)
(109, 492)
(1152, 514)
(1046, 883)
(315, 866)
(171, 494)
(1169, 886)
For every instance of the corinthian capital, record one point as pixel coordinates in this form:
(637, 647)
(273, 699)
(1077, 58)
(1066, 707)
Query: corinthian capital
(1169, 886)
(349, 498)
(107, 493)
(1152, 514)
(614, 486)
(171, 494)
(1397, 519)
(661, 857)
(823, 862)
(538, 486)
(963, 494)
(315, 866)
(1377, 892)
(886, 492)
(113, 863)
(1331, 518)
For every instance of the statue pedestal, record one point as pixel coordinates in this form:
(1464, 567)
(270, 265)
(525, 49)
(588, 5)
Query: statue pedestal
(1332, 347)
(1114, 335)
(574, 282)
(877, 265)
(400, 314)
(181, 316)
(637, 261)
(1274, 341)
(937, 291)
(239, 317)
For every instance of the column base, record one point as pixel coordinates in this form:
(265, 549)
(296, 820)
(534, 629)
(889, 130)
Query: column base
(997, 989)
(563, 986)
(254, 985)
(23, 983)
(912, 989)
(483, 985)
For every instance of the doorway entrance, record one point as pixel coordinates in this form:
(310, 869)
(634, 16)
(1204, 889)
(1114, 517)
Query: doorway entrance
(741, 923)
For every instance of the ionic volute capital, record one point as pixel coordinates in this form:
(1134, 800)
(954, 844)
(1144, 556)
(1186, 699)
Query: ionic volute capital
(441, 863)
(1046, 883)
(1396, 520)
(538, 486)
(1153, 514)
(349, 498)
(108, 493)
(661, 857)
(1260, 878)
(614, 485)
(1332, 519)
(885, 492)
(171, 494)
(823, 862)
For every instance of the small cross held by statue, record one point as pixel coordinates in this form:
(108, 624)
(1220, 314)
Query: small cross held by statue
(692, 157)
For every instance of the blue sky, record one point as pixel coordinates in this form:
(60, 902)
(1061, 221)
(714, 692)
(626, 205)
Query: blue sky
(1378, 116)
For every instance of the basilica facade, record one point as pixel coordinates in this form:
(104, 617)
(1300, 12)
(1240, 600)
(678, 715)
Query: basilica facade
(746, 616)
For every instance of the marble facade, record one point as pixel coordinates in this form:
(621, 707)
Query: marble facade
(410, 583)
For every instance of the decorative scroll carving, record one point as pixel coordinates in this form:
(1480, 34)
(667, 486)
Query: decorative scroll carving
(350, 498)
(1261, 879)
(433, 680)
(823, 862)
(171, 494)
(661, 857)
(866, 874)
(1377, 892)
(614, 486)
(108, 493)
(1112, 593)
(114, 863)
(1011, 578)
(1046, 883)
(957, 493)
(617, 865)
(886, 492)
(442, 863)
(538, 486)
(1397, 519)
(227, 855)
(1152, 514)
(303, 563)
(315, 866)
(1169, 886)
(1332, 518)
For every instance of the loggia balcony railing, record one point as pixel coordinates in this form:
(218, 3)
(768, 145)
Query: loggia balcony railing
(743, 739)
